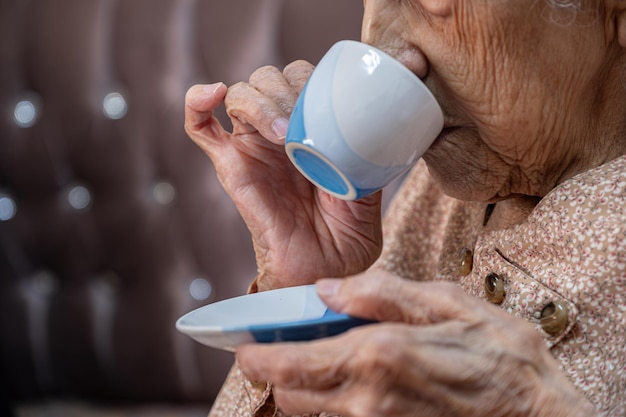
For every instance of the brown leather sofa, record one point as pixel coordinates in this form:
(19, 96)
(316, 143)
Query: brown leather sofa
(112, 223)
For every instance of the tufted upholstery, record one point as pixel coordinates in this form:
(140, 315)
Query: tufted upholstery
(111, 220)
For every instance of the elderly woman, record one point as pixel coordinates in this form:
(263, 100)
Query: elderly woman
(501, 286)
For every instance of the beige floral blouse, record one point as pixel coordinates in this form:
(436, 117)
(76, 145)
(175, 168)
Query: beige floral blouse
(562, 269)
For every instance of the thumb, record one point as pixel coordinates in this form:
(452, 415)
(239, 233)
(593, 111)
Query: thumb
(379, 295)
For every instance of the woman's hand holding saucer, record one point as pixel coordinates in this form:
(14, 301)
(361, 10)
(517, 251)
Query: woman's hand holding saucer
(437, 352)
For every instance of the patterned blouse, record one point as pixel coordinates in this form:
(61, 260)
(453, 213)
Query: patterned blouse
(563, 269)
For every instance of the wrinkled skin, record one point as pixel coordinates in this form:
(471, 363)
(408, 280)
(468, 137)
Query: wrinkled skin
(527, 103)
(531, 96)
(456, 357)
(299, 233)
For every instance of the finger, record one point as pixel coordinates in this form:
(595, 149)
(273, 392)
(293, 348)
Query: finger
(369, 353)
(294, 365)
(393, 369)
(381, 296)
(250, 110)
(398, 366)
(200, 123)
(271, 82)
(298, 402)
(354, 401)
(200, 102)
(335, 374)
(298, 73)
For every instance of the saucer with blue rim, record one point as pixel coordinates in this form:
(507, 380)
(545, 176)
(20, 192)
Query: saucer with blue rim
(283, 315)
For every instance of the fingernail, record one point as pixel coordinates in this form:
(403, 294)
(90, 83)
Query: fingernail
(328, 288)
(212, 88)
(279, 127)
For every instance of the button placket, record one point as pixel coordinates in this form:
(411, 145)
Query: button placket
(521, 294)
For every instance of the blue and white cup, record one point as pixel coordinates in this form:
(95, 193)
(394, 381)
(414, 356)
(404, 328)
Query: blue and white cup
(362, 120)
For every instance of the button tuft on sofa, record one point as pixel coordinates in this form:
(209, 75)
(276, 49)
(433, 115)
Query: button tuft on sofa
(27, 110)
(114, 106)
(8, 208)
(200, 289)
(79, 197)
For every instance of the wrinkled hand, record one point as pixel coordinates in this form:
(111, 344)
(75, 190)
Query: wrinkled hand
(299, 232)
(439, 353)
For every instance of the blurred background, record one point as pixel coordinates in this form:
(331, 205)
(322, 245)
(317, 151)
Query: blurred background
(112, 223)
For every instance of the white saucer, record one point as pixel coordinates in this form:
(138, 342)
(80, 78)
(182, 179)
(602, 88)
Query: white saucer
(287, 314)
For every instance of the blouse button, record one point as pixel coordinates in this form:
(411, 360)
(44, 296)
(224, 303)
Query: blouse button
(554, 317)
(466, 262)
(494, 288)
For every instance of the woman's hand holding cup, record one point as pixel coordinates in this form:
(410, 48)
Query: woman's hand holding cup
(299, 232)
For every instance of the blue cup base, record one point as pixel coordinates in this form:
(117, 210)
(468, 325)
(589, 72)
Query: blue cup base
(319, 170)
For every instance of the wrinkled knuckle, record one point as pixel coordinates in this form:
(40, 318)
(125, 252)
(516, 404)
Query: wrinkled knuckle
(447, 287)
(449, 292)
(375, 283)
(193, 132)
(262, 74)
(234, 91)
(284, 402)
(367, 404)
(383, 356)
(297, 73)
(362, 287)
(298, 67)
(237, 86)
(370, 298)
(283, 374)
